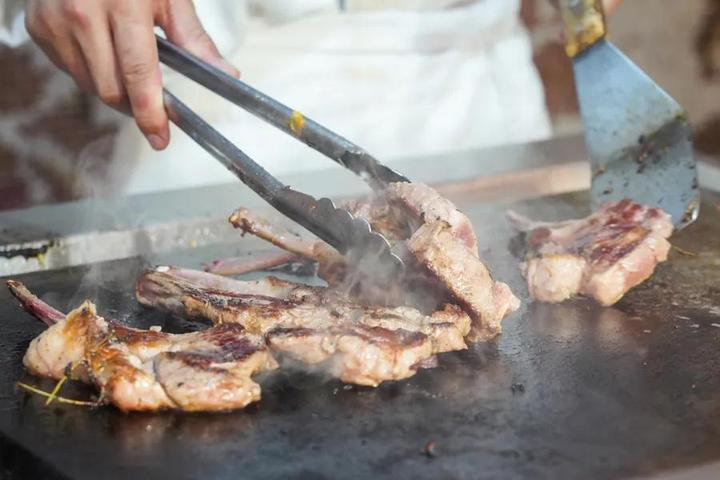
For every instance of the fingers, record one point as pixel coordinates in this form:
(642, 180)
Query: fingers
(108, 47)
(182, 27)
(93, 37)
(45, 25)
(67, 56)
(132, 32)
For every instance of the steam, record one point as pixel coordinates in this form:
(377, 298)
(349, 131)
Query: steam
(95, 176)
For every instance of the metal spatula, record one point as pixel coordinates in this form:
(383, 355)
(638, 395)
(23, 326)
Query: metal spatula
(638, 137)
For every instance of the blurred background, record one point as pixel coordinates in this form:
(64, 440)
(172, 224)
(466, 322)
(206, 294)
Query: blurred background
(59, 144)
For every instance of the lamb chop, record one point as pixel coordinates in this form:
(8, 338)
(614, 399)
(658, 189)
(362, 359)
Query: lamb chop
(436, 242)
(330, 327)
(601, 256)
(253, 262)
(416, 204)
(312, 325)
(331, 264)
(145, 370)
(442, 247)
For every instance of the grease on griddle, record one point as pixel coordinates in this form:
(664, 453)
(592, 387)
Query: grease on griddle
(691, 211)
(25, 250)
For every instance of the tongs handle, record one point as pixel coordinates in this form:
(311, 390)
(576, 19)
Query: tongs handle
(290, 121)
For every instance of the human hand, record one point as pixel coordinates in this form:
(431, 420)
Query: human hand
(108, 47)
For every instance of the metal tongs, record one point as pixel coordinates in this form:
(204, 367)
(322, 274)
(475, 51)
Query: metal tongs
(368, 251)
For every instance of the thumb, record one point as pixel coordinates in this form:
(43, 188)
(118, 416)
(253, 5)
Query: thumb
(182, 27)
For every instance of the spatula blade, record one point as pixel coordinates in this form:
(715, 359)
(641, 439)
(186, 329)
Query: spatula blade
(638, 137)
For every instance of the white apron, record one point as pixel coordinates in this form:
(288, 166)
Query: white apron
(399, 82)
(401, 78)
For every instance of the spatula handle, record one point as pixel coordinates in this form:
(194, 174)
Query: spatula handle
(584, 24)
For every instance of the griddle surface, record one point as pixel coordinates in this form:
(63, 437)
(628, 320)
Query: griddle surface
(567, 391)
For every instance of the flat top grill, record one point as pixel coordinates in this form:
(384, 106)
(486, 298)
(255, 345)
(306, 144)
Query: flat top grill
(567, 391)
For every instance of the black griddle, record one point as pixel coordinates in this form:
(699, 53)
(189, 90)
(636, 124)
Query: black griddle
(568, 391)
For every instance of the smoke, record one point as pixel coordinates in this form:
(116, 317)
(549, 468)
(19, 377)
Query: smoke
(96, 179)
(368, 279)
(94, 174)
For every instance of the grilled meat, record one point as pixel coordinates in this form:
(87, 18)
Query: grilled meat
(353, 352)
(601, 256)
(355, 343)
(257, 305)
(443, 244)
(437, 243)
(465, 277)
(147, 370)
(252, 262)
(261, 305)
(279, 236)
(33, 305)
(331, 264)
(446, 297)
(417, 204)
(404, 207)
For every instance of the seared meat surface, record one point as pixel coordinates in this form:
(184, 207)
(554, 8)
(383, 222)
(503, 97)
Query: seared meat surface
(435, 240)
(353, 353)
(465, 277)
(279, 236)
(312, 325)
(422, 204)
(139, 370)
(441, 249)
(601, 256)
(353, 329)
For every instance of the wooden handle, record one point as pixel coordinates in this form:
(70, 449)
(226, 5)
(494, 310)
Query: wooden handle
(584, 24)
